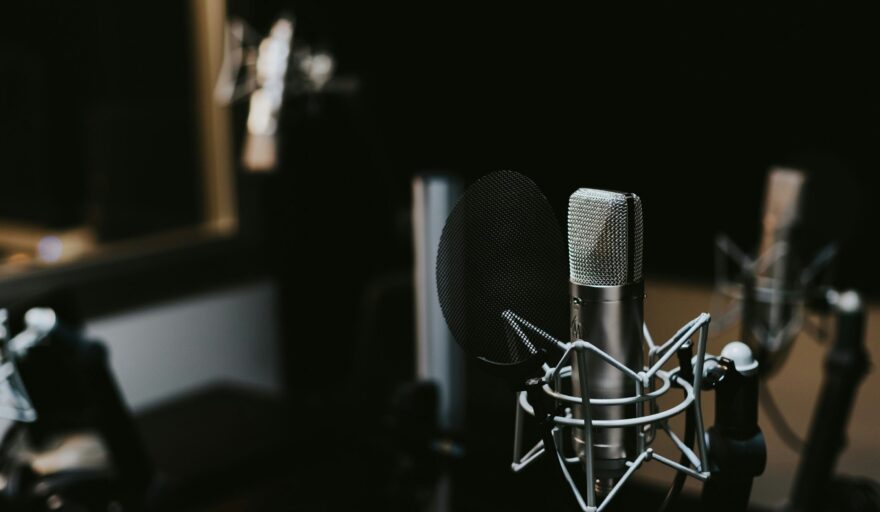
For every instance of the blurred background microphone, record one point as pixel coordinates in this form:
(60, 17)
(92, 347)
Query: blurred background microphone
(772, 317)
(605, 247)
(807, 212)
(267, 69)
(260, 146)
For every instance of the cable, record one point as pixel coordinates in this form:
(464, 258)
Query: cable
(777, 419)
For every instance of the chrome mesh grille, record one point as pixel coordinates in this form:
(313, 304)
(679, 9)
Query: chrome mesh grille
(605, 238)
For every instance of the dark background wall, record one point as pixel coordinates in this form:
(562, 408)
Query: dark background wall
(96, 116)
(686, 104)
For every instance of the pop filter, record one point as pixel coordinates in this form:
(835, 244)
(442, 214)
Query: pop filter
(502, 273)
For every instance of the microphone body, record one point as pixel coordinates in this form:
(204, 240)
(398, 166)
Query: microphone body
(605, 237)
(610, 317)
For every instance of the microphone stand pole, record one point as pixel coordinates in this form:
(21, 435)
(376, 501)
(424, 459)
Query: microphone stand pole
(737, 451)
(845, 366)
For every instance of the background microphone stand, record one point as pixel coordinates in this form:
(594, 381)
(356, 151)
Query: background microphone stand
(845, 366)
(847, 362)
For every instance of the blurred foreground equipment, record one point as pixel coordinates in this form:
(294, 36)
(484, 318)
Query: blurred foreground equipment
(81, 451)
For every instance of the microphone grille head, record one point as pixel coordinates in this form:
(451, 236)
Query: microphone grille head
(605, 238)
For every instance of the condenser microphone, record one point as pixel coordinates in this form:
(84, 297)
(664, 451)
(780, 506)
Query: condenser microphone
(605, 248)
(777, 290)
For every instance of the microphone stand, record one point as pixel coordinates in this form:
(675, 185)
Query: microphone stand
(845, 366)
(737, 450)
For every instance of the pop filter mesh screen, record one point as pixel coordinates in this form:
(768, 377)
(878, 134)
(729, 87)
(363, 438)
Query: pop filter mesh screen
(502, 249)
